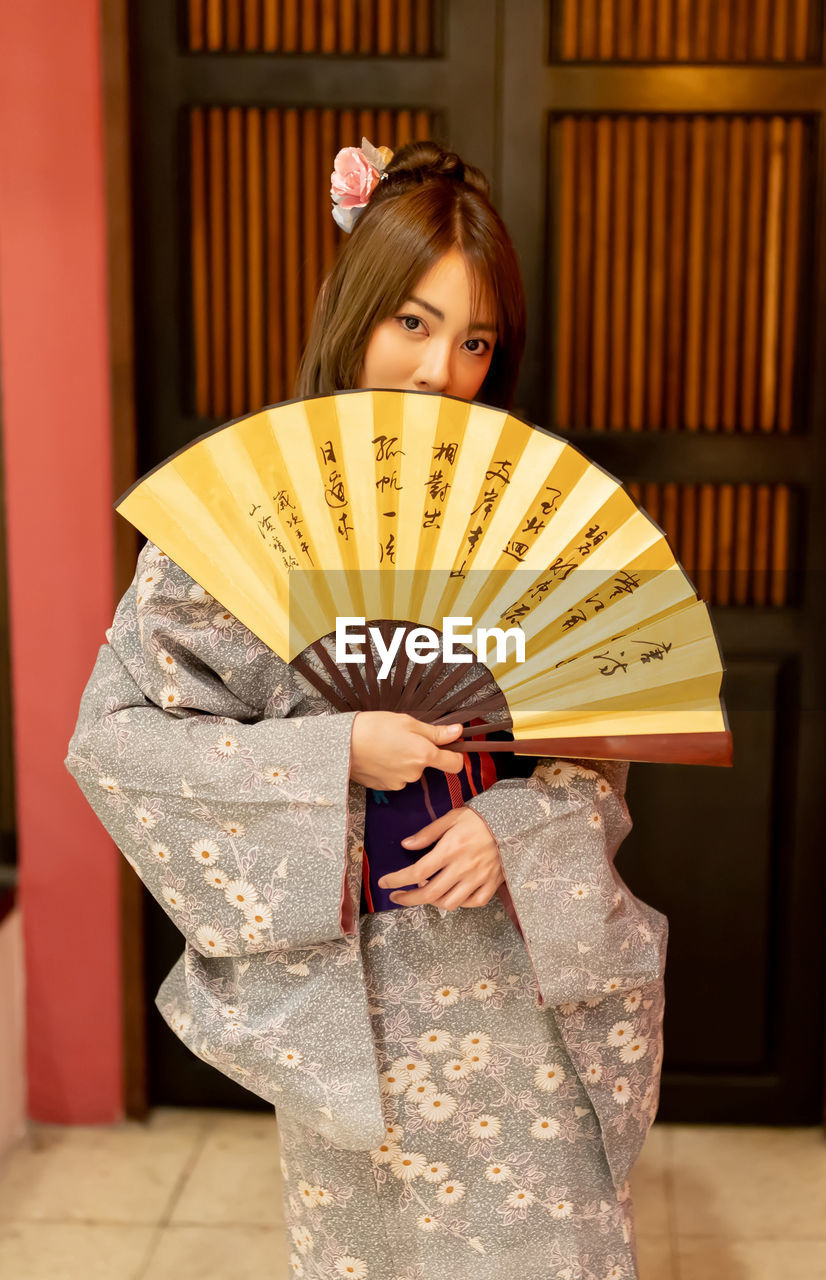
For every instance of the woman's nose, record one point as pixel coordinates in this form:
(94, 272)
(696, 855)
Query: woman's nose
(433, 373)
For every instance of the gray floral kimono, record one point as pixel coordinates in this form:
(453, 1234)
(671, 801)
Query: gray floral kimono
(458, 1093)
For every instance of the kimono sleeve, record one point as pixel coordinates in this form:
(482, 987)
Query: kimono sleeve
(232, 810)
(558, 833)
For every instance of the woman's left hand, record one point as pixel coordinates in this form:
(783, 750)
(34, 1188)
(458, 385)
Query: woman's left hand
(465, 865)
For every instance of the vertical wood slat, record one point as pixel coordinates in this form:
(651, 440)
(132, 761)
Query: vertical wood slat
(308, 25)
(255, 260)
(753, 282)
(274, 168)
(657, 269)
(233, 25)
(329, 42)
(619, 327)
(214, 25)
(734, 264)
(217, 261)
(385, 27)
(582, 311)
(289, 26)
(702, 325)
(606, 29)
(195, 15)
(602, 258)
(316, 204)
(791, 275)
(780, 544)
(743, 19)
(772, 266)
(200, 262)
(291, 235)
(327, 150)
(696, 260)
(252, 25)
(565, 288)
(638, 294)
(236, 197)
(678, 215)
(703, 31)
(271, 26)
(712, 323)
(762, 543)
(366, 26)
(742, 560)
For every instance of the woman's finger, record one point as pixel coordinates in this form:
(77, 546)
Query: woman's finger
(457, 897)
(435, 889)
(426, 835)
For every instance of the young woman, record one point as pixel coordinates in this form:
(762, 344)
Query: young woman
(458, 1092)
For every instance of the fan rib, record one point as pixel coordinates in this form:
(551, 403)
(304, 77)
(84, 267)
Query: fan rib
(420, 690)
(360, 690)
(458, 701)
(344, 689)
(311, 675)
(436, 695)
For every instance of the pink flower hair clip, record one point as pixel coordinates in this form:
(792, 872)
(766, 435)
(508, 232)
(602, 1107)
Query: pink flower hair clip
(356, 174)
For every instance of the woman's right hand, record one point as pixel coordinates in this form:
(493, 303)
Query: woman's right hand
(389, 749)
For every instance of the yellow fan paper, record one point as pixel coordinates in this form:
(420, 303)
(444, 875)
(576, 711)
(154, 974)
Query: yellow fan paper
(413, 510)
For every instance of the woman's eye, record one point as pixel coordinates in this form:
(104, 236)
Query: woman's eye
(480, 350)
(405, 326)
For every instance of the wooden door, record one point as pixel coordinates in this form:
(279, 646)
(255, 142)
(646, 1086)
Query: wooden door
(660, 166)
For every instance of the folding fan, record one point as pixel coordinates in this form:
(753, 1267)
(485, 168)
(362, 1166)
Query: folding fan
(412, 510)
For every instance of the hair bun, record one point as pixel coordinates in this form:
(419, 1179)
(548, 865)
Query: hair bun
(427, 161)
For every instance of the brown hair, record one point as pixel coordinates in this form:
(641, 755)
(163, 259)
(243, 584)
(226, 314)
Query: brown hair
(430, 202)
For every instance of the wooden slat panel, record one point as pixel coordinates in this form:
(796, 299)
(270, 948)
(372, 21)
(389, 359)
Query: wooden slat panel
(678, 262)
(261, 242)
(707, 31)
(377, 27)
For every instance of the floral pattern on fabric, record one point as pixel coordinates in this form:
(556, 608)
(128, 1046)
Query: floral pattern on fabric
(224, 778)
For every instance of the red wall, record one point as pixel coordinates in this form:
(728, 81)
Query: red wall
(56, 442)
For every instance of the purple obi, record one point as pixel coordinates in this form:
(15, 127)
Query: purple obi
(390, 816)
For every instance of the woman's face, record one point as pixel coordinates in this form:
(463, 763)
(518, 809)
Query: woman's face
(430, 344)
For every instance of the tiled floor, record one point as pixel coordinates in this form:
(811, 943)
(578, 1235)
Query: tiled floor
(194, 1195)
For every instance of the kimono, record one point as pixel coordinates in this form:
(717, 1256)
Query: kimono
(458, 1093)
